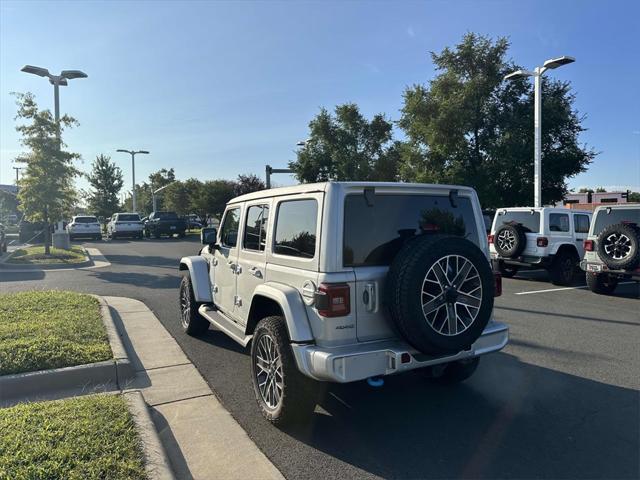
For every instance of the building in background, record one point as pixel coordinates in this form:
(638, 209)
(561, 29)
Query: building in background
(590, 200)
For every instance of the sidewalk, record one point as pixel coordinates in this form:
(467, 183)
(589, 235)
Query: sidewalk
(201, 438)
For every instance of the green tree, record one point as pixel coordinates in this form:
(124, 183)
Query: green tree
(212, 197)
(634, 197)
(248, 183)
(106, 182)
(177, 197)
(346, 146)
(585, 190)
(468, 126)
(8, 204)
(601, 190)
(46, 189)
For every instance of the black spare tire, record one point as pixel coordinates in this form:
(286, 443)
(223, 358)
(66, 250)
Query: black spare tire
(440, 293)
(510, 240)
(618, 246)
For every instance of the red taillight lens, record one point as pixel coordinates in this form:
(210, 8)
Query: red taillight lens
(542, 241)
(490, 238)
(497, 277)
(333, 300)
(589, 245)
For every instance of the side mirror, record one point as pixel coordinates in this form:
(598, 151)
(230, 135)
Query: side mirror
(208, 235)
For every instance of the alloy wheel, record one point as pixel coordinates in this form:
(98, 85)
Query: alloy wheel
(506, 240)
(617, 246)
(185, 307)
(268, 371)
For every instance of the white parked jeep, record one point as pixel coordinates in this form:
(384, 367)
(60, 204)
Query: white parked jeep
(612, 249)
(339, 282)
(548, 237)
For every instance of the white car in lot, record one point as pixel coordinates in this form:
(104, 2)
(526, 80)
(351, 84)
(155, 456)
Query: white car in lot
(84, 226)
(548, 237)
(125, 225)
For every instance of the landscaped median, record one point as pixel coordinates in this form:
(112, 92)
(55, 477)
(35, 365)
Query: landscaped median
(35, 256)
(55, 340)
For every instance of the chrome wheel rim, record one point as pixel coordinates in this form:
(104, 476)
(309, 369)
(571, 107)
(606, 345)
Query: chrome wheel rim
(268, 371)
(451, 295)
(506, 240)
(185, 307)
(617, 246)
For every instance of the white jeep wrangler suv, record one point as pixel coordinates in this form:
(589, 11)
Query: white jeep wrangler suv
(339, 282)
(548, 237)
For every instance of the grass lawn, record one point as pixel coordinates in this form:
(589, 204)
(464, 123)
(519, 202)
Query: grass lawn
(91, 437)
(35, 256)
(50, 329)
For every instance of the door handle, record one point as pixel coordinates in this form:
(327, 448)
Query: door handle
(255, 272)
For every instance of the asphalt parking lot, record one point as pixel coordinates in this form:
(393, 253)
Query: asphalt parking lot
(561, 400)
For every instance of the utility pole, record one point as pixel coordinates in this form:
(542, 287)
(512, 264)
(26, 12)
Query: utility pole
(17, 169)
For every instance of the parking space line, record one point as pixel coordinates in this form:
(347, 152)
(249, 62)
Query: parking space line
(561, 289)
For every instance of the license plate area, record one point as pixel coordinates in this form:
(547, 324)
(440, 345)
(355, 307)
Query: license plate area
(594, 267)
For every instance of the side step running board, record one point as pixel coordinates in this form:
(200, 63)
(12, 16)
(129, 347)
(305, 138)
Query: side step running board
(221, 322)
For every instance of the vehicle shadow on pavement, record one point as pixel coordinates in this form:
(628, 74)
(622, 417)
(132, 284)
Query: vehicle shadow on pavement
(511, 420)
(144, 260)
(566, 315)
(139, 279)
(9, 276)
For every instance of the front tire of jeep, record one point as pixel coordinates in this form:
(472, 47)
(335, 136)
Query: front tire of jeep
(284, 395)
(456, 372)
(563, 268)
(192, 322)
(601, 283)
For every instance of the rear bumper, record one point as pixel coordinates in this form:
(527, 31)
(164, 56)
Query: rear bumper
(523, 260)
(372, 359)
(597, 267)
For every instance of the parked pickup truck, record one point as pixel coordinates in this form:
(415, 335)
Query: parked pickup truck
(164, 223)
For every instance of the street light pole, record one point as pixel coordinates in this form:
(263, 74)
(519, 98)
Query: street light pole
(153, 194)
(133, 174)
(537, 117)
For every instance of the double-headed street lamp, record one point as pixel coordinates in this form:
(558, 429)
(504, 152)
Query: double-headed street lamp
(537, 117)
(56, 81)
(133, 173)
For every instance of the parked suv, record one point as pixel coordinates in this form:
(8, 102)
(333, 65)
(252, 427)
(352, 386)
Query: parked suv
(125, 225)
(340, 282)
(612, 249)
(84, 226)
(547, 237)
(164, 223)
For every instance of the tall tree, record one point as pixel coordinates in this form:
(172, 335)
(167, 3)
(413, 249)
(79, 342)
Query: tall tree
(468, 126)
(46, 189)
(177, 197)
(248, 183)
(347, 146)
(106, 182)
(211, 198)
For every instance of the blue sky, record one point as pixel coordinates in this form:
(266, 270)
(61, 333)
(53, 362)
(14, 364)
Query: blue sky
(215, 89)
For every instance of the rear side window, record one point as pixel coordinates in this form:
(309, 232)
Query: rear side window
(374, 233)
(255, 231)
(530, 220)
(295, 231)
(86, 220)
(229, 230)
(581, 223)
(558, 222)
(612, 216)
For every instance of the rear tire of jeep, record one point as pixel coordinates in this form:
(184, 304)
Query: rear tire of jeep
(601, 283)
(284, 395)
(563, 268)
(456, 372)
(440, 293)
(508, 271)
(191, 321)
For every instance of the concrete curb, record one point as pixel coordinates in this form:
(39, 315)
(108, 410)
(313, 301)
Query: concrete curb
(47, 266)
(115, 371)
(156, 462)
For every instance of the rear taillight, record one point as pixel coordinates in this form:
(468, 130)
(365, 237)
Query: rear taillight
(589, 245)
(333, 300)
(542, 241)
(490, 238)
(497, 278)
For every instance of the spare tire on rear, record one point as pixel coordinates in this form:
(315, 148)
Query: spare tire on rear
(510, 240)
(619, 246)
(440, 293)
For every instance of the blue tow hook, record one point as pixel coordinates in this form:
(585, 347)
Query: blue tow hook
(375, 381)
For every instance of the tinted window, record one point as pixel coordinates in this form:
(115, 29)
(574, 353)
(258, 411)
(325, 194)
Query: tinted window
(604, 219)
(374, 234)
(295, 232)
(581, 223)
(255, 231)
(558, 222)
(86, 220)
(130, 217)
(530, 221)
(166, 215)
(229, 231)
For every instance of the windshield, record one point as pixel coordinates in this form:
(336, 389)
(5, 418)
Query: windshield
(374, 234)
(530, 221)
(607, 217)
(166, 215)
(85, 220)
(128, 217)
